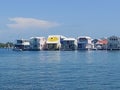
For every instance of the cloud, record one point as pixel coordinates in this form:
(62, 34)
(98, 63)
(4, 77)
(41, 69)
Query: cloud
(24, 23)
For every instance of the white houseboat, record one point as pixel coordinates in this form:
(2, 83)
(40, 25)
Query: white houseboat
(113, 43)
(69, 44)
(54, 42)
(37, 43)
(84, 43)
(21, 45)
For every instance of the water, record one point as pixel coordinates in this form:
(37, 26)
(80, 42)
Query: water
(59, 70)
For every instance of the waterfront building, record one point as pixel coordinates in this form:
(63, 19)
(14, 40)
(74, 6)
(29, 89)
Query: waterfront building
(94, 41)
(69, 44)
(101, 44)
(37, 43)
(22, 44)
(113, 43)
(84, 43)
(54, 42)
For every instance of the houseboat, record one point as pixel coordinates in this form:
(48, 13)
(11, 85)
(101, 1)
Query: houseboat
(101, 44)
(84, 43)
(113, 43)
(69, 44)
(37, 43)
(21, 45)
(54, 42)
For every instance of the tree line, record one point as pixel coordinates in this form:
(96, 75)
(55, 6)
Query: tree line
(6, 45)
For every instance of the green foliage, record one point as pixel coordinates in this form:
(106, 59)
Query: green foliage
(6, 45)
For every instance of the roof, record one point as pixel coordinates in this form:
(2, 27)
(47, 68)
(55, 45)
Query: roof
(102, 41)
(57, 36)
(69, 39)
(37, 37)
(84, 37)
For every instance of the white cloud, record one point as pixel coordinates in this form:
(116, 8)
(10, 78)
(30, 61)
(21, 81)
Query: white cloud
(23, 23)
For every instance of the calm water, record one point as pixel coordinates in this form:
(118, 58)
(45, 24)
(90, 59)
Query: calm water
(59, 70)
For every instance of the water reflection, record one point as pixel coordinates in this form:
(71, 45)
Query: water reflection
(89, 57)
(49, 56)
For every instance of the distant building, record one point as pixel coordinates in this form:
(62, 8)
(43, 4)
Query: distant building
(59, 42)
(94, 41)
(113, 43)
(69, 44)
(101, 44)
(37, 43)
(22, 44)
(84, 43)
(54, 42)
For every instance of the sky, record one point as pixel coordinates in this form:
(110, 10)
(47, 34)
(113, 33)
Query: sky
(22, 19)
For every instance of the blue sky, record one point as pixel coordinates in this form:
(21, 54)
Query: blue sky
(71, 18)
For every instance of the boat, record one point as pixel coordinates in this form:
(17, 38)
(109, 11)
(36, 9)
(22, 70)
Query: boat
(37, 43)
(21, 44)
(54, 42)
(69, 44)
(84, 43)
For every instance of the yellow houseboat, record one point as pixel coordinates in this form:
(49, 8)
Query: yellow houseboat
(54, 42)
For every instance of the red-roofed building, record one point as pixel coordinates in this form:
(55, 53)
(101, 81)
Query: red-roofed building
(102, 44)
